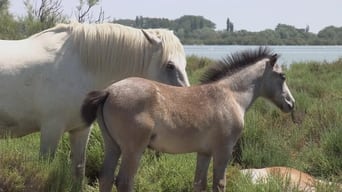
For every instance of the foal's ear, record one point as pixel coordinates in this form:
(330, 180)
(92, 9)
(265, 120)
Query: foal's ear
(273, 59)
(152, 38)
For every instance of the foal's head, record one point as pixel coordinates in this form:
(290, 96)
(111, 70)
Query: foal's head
(274, 87)
(272, 79)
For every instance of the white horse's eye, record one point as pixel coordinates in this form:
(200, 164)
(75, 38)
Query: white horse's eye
(170, 65)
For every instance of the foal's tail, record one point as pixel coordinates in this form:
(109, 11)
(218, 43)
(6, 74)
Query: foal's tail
(91, 103)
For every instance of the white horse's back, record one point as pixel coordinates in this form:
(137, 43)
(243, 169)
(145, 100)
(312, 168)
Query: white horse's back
(37, 49)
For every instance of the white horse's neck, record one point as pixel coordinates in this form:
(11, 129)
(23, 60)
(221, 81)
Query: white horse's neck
(245, 85)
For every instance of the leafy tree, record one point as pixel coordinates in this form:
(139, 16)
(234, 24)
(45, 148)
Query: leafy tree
(8, 25)
(127, 22)
(48, 13)
(139, 22)
(83, 12)
(230, 26)
(331, 35)
(307, 29)
(146, 22)
(39, 18)
(4, 7)
(198, 30)
(291, 35)
(191, 23)
(189, 28)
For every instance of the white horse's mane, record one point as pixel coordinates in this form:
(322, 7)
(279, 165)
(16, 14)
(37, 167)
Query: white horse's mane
(100, 45)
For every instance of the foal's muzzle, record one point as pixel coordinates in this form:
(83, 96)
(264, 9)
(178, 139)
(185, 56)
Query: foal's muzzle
(289, 104)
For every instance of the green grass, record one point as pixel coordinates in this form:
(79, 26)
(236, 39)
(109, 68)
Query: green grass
(21, 169)
(313, 144)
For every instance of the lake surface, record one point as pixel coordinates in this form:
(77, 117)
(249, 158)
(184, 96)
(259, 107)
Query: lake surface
(288, 54)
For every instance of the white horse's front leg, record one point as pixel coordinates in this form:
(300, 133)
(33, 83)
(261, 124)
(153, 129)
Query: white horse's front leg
(78, 144)
(51, 132)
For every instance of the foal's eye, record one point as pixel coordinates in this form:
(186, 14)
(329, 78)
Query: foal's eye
(170, 65)
(282, 76)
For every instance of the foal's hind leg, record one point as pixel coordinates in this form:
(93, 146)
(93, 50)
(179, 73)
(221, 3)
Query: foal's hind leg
(200, 182)
(132, 148)
(128, 168)
(111, 156)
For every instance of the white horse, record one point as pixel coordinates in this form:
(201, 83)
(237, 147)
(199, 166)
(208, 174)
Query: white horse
(44, 78)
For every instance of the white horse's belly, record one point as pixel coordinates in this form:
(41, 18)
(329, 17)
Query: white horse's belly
(17, 114)
(14, 125)
(32, 96)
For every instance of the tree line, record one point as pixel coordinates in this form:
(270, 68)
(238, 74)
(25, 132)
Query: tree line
(189, 28)
(46, 15)
(198, 30)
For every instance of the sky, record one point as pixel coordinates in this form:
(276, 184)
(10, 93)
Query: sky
(251, 15)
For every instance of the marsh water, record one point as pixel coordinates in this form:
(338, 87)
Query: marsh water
(289, 54)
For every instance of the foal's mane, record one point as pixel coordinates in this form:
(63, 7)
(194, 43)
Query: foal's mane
(236, 62)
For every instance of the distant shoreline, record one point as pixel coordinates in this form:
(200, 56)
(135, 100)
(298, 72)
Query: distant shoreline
(288, 54)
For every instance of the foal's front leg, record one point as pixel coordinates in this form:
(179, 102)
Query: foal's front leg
(221, 159)
(200, 182)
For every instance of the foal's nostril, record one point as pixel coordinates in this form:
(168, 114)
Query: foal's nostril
(292, 106)
(289, 103)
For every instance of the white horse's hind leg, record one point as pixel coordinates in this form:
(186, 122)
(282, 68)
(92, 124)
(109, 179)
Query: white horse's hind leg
(78, 144)
(200, 181)
(51, 133)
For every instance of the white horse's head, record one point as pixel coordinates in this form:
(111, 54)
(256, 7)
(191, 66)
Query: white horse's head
(168, 59)
(115, 52)
(274, 86)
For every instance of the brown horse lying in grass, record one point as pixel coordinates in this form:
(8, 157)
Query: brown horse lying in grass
(136, 113)
(295, 178)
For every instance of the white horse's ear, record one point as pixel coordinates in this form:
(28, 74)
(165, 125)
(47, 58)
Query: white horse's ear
(152, 38)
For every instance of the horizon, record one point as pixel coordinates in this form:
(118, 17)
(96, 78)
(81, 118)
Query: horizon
(257, 16)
